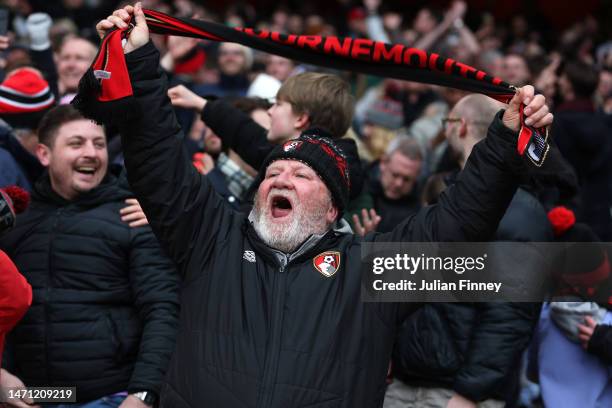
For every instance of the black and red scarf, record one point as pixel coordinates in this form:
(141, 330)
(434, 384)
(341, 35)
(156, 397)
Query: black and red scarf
(109, 81)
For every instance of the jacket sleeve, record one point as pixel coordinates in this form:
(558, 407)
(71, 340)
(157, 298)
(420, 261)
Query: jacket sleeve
(471, 209)
(238, 132)
(154, 287)
(43, 60)
(185, 213)
(503, 331)
(15, 294)
(601, 343)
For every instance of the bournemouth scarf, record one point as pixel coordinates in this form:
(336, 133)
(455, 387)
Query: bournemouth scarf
(108, 80)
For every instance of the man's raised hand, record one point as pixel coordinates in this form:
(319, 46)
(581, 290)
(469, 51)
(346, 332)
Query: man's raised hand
(182, 97)
(369, 223)
(536, 112)
(120, 18)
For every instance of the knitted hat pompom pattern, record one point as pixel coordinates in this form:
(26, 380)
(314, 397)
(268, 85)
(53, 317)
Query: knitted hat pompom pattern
(561, 219)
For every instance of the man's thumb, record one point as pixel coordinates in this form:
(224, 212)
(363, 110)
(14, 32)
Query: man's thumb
(139, 15)
(516, 101)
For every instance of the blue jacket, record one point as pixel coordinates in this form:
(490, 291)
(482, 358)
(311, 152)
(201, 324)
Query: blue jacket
(17, 166)
(569, 376)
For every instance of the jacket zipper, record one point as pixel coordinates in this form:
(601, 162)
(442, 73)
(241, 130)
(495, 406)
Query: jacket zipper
(49, 282)
(274, 343)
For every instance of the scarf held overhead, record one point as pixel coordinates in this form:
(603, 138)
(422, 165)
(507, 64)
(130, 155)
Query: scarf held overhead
(108, 80)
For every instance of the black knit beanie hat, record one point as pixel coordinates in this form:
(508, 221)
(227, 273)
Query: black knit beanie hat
(316, 149)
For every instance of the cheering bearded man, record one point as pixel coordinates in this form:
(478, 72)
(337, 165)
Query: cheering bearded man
(262, 323)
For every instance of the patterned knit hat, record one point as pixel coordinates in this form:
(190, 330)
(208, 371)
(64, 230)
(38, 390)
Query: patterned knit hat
(316, 149)
(25, 97)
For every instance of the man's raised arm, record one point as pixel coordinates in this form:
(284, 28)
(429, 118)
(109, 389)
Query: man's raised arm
(180, 204)
(235, 128)
(470, 210)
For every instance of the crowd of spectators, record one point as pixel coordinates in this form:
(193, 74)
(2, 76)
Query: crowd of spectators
(411, 139)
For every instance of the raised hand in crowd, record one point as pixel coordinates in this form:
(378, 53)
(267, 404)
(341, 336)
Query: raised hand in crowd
(38, 26)
(457, 10)
(368, 222)
(182, 97)
(139, 35)
(372, 5)
(10, 382)
(586, 330)
(177, 47)
(133, 214)
(546, 82)
(536, 111)
(203, 163)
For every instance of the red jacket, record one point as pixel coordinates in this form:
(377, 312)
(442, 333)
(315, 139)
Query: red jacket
(15, 296)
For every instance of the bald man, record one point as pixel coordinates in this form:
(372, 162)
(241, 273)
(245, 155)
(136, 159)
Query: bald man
(467, 124)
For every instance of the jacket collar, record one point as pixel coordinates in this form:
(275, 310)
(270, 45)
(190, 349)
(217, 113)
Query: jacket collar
(313, 244)
(110, 189)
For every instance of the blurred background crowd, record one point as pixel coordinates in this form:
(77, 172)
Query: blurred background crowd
(403, 130)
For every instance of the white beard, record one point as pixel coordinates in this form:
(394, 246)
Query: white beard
(289, 235)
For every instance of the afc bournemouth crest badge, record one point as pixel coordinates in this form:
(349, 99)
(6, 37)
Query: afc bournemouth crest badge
(327, 263)
(292, 145)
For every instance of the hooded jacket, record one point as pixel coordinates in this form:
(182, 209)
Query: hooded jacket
(261, 328)
(17, 166)
(105, 304)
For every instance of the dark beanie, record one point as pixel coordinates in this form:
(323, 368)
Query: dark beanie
(25, 97)
(585, 259)
(316, 149)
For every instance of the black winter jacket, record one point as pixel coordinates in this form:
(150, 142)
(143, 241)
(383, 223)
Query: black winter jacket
(105, 307)
(583, 137)
(260, 328)
(475, 348)
(600, 343)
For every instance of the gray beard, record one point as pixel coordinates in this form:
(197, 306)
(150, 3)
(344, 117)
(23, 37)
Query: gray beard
(288, 236)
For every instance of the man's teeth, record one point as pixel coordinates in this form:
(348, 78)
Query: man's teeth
(86, 169)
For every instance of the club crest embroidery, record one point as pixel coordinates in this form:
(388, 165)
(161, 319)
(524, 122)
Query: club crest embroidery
(292, 145)
(327, 263)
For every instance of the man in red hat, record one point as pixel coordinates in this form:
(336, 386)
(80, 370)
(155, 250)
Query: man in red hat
(25, 97)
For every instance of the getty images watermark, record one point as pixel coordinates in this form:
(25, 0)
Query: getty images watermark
(467, 272)
(423, 264)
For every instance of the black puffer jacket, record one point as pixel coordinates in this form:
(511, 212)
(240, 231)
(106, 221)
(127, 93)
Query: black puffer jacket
(105, 307)
(260, 328)
(475, 348)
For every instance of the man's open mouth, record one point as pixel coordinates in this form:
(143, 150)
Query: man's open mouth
(87, 170)
(281, 206)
